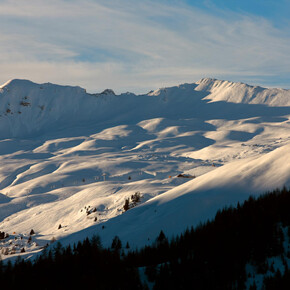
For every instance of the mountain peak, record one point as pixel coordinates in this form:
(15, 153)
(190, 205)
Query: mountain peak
(108, 92)
(16, 83)
(206, 80)
(209, 83)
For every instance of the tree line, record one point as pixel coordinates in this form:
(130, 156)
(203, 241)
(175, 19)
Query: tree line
(212, 255)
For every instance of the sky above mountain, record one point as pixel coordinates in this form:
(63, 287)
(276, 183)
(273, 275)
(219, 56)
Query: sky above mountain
(142, 45)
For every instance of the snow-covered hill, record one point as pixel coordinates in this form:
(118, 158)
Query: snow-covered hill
(70, 159)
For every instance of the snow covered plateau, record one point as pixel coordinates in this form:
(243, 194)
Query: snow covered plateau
(70, 159)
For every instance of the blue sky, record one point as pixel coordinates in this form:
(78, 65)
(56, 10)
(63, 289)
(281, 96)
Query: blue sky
(276, 11)
(137, 46)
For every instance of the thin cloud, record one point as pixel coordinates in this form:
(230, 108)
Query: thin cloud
(139, 46)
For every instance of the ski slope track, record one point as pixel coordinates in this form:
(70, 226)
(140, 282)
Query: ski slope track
(70, 159)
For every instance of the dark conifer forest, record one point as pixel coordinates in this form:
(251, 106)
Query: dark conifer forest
(212, 255)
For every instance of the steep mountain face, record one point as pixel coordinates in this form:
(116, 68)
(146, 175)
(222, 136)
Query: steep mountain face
(28, 108)
(70, 159)
(243, 93)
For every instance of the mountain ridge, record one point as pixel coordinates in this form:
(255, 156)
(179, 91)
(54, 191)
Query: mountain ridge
(28, 108)
(77, 158)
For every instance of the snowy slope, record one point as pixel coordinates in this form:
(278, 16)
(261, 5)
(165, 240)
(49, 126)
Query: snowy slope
(243, 93)
(70, 158)
(197, 200)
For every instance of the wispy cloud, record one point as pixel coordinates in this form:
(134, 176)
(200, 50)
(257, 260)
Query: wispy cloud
(135, 45)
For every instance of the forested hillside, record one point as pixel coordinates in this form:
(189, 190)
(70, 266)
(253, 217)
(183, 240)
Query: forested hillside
(246, 247)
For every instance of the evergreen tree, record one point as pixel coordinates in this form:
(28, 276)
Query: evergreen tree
(126, 205)
(116, 244)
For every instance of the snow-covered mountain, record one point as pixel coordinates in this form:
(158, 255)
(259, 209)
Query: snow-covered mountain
(28, 108)
(70, 159)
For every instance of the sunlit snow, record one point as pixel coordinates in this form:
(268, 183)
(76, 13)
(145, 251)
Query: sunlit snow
(70, 159)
